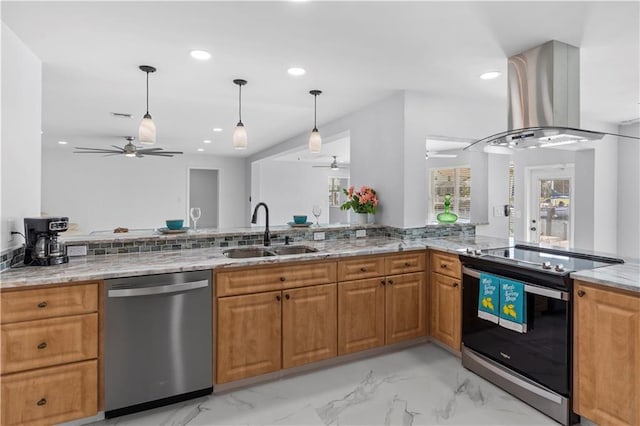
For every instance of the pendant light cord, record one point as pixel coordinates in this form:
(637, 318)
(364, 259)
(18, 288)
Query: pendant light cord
(315, 110)
(240, 102)
(147, 92)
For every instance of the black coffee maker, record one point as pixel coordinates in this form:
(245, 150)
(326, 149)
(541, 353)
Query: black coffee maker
(41, 235)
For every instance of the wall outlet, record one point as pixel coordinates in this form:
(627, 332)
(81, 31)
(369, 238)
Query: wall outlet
(318, 236)
(361, 233)
(76, 250)
(11, 226)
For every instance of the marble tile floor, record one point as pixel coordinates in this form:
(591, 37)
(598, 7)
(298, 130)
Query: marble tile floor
(423, 385)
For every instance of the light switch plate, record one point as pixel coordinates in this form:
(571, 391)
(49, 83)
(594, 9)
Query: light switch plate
(361, 233)
(76, 250)
(318, 236)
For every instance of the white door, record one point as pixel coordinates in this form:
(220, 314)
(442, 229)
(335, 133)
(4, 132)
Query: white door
(550, 205)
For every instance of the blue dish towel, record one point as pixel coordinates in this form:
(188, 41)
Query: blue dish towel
(513, 307)
(489, 297)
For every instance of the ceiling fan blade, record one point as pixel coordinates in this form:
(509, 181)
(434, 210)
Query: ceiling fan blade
(118, 148)
(98, 152)
(111, 155)
(160, 154)
(149, 149)
(96, 149)
(165, 152)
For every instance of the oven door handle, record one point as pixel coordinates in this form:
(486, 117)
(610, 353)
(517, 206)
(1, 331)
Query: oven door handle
(528, 288)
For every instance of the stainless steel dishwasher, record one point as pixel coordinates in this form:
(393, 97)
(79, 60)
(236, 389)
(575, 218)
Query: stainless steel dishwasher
(158, 346)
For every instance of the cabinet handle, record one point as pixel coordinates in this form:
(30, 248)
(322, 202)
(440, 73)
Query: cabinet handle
(278, 298)
(383, 282)
(286, 296)
(581, 293)
(443, 265)
(407, 264)
(455, 284)
(42, 345)
(363, 269)
(42, 401)
(283, 279)
(390, 282)
(42, 305)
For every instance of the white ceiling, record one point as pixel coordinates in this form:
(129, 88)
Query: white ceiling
(355, 52)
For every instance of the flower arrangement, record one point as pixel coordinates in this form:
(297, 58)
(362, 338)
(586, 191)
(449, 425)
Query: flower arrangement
(363, 201)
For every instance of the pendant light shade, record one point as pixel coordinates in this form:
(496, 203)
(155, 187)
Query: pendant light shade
(315, 141)
(240, 133)
(147, 130)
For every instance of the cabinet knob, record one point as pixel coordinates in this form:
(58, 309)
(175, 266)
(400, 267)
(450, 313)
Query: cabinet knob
(278, 298)
(286, 296)
(581, 293)
(407, 264)
(363, 269)
(42, 345)
(283, 279)
(42, 401)
(443, 265)
(390, 282)
(42, 305)
(383, 282)
(455, 284)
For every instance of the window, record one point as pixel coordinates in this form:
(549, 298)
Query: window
(455, 181)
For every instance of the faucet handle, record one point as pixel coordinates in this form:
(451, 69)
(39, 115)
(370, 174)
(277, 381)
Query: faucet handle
(287, 240)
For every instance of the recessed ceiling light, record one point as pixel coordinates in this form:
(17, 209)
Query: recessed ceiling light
(200, 149)
(201, 55)
(296, 71)
(217, 129)
(206, 141)
(490, 75)
(63, 142)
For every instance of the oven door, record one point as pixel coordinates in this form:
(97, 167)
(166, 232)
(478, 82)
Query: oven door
(542, 353)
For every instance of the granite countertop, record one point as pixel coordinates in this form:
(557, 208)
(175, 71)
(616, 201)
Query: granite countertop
(625, 276)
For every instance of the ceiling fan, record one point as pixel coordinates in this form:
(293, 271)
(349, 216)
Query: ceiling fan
(129, 150)
(334, 164)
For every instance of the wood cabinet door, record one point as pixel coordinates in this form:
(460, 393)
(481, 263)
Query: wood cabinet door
(606, 355)
(446, 264)
(405, 307)
(50, 395)
(309, 324)
(360, 315)
(361, 268)
(248, 335)
(445, 310)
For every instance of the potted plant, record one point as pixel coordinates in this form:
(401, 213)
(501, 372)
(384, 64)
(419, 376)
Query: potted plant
(362, 202)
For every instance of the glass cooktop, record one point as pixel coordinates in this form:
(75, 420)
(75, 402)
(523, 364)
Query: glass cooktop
(559, 260)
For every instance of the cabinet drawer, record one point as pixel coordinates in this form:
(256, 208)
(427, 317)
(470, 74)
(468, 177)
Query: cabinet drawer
(404, 263)
(446, 264)
(33, 304)
(254, 280)
(34, 344)
(363, 267)
(50, 395)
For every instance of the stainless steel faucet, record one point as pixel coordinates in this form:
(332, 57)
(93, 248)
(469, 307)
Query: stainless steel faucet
(254, 219)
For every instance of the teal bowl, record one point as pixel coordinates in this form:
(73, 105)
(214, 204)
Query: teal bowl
(175, 224)
(300, 219)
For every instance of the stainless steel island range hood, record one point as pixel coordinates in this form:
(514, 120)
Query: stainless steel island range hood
(544, 101)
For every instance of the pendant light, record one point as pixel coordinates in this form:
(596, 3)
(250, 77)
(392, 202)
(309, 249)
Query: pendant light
(315, 141)
(147, 130)
(240, 133)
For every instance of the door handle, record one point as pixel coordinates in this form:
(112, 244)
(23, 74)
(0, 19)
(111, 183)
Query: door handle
(164, 289)
(42, 305)
(42, 345)
(286, 296)
(363, 269)
(581, 293)
(533, 228)
(383, 282)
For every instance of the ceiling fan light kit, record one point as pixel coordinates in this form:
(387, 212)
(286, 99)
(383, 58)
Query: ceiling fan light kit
(240, 133)
(315, 141)
(147, 130)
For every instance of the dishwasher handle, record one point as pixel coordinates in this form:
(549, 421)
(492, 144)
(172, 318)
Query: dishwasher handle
(164, 289)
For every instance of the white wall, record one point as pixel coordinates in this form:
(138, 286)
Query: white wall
(291, 188)
(20, 143)
(497, 195)
(629, 193)
(102, 193)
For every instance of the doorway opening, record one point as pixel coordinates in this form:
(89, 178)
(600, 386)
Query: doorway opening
(203, 193)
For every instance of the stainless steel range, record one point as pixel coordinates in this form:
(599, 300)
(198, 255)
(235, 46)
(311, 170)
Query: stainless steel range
(533, 362)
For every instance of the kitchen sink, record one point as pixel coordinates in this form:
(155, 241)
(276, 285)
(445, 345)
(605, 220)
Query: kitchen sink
(284, 250)
(242, 253)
